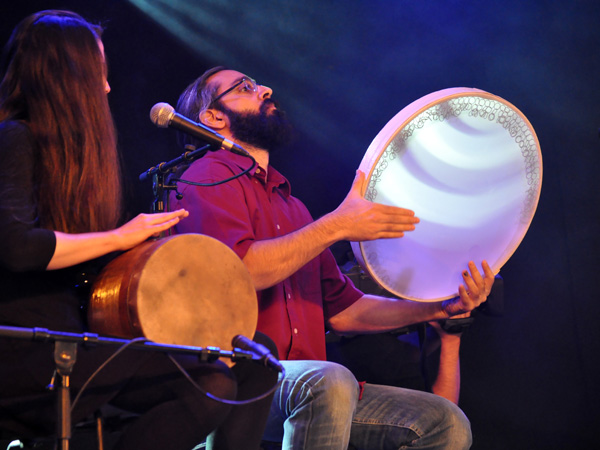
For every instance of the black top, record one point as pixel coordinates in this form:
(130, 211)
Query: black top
(30, 296)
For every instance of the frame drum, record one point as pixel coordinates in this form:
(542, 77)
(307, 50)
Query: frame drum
(188, 289)
(469, 164)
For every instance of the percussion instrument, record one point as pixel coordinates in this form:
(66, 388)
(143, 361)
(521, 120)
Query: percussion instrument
(469, 164)
(188, 289)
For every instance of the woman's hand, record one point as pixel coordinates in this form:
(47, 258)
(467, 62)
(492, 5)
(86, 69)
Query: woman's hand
(143, 226)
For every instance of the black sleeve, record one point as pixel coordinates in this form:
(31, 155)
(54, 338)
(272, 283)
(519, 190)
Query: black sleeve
(23, 245)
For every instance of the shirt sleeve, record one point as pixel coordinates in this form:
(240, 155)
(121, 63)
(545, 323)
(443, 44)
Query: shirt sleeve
(338, 290)
(24, 246)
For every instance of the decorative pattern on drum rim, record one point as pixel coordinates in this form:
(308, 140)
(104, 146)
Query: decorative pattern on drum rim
(474, 106)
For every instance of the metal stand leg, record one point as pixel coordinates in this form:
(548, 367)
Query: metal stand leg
(99, 429)
(65, 355)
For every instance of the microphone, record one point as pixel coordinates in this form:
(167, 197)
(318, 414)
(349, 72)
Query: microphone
(163, 115)
(262, 352)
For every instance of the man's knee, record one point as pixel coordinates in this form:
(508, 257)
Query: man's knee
(457, 428)
(325, 383)
(339, 384)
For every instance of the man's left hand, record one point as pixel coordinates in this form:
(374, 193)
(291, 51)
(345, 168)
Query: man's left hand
(473, 292)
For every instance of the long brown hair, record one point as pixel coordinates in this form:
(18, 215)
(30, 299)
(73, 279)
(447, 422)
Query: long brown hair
(53, 79)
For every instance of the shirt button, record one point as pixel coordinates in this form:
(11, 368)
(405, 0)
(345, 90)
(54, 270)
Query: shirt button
(278, 227)
(257, 170)
(289, 296)
(295, 330)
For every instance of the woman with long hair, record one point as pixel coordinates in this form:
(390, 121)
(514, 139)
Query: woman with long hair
(60, 207)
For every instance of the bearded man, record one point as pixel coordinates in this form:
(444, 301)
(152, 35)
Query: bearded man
(301, 291)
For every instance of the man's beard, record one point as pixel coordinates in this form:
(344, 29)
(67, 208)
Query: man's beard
(268, 130)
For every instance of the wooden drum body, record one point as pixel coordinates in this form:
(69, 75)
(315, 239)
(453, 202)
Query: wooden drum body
(469, 164)
(188, 289)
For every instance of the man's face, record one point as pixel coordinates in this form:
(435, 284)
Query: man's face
(237, 94)
(254, 118)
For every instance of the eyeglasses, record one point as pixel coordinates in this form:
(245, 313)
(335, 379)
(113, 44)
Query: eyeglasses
(245, 85)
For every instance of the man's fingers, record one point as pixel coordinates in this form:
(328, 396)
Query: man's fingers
(470, 286)
(488, 276)
(476, 276)
(396, 214)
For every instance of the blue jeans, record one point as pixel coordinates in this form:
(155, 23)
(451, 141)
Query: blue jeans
(317, 408)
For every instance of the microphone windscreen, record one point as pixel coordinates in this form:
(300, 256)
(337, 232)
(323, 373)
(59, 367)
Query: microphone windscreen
(161, 114)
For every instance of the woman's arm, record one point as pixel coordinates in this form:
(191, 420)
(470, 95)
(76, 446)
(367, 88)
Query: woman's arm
(73, 249)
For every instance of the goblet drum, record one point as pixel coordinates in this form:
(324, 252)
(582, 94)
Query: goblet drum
(188, 289)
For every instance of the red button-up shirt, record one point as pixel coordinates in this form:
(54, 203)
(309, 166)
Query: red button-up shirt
(254, 207)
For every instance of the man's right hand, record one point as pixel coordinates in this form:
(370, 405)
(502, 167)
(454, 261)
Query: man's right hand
(357, 219)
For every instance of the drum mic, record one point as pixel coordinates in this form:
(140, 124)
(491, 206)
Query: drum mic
(163, 115)
(262, 353)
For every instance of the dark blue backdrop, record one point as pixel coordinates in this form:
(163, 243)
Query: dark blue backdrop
(342, 69)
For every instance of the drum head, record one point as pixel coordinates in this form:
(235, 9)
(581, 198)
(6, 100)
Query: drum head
(469, 164)
(196, 291)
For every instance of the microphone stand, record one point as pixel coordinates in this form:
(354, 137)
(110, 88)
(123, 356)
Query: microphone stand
(160, 171)
(65, 356)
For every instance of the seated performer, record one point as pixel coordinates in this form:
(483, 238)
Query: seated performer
(60, 204)
(301, 290)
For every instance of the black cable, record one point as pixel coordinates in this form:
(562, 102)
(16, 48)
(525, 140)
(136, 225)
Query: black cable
(102, 366)
(222, 400)
(216, 183)
(181, 369)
